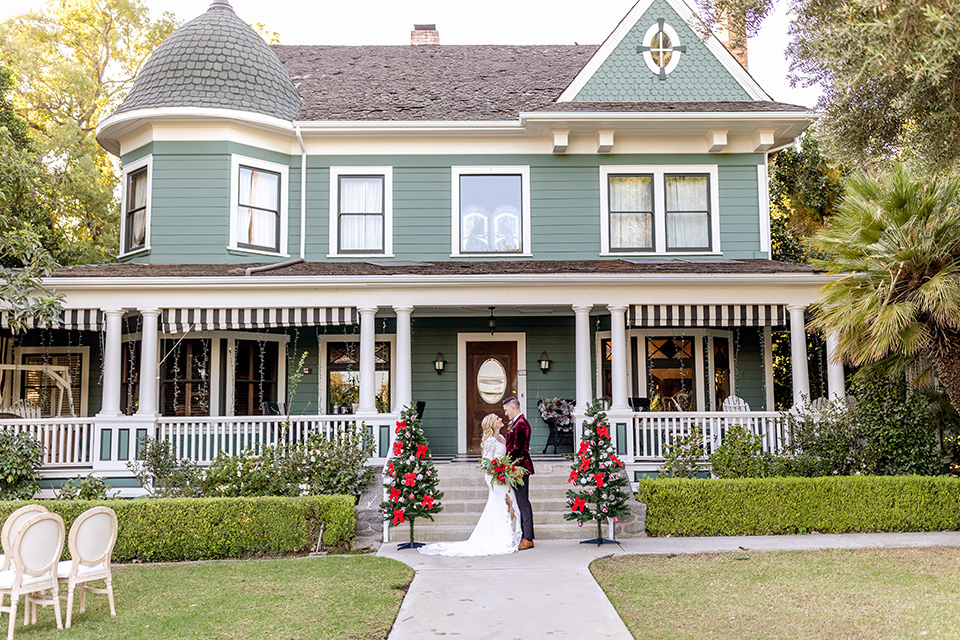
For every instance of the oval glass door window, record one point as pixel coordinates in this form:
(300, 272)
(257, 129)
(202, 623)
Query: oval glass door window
(491, 381)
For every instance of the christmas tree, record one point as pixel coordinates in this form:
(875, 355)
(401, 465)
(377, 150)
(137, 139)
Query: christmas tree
(601, 489)
(411, 478)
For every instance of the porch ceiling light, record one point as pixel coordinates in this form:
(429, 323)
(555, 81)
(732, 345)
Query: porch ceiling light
(439, 363)
(491, 321)
(544, 362)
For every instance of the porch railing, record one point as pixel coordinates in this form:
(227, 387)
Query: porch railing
(201, 439)
(654, 431)
(67, 442)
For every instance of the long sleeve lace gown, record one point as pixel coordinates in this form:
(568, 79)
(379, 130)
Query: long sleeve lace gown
(498, 530)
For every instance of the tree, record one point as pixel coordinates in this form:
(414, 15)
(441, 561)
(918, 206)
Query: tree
(412, 478)
(71, 66)
(889, 71)
(894, 247)
(602, 490)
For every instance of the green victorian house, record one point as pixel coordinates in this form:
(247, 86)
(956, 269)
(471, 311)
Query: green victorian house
(390, 225)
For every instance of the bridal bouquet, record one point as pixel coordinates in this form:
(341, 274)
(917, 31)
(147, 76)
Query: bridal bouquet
(503, 470)
(556, 409)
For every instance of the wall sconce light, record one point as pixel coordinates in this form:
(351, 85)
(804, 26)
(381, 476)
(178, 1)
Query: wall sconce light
(544, 362)
(491, 321)
(439, 363)
(307, 371)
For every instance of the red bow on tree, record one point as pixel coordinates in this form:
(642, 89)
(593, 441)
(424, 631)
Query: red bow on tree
(599, 478)
(401, 426)
(394, 494)
(410, 479)
(602, 432)
(422, 450)
(584, 464)
(583, 448)
(428, 502)
(573, 476)
(616, 460)
(398, 516)
(578, 504)
(397, 448)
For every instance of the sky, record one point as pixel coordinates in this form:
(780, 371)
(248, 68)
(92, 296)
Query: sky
(497, 22)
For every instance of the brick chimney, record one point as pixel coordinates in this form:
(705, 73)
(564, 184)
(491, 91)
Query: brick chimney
(732, 32)
(424, 34)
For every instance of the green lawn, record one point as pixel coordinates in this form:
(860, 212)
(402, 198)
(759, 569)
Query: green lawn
(291, 598)
(868, 593)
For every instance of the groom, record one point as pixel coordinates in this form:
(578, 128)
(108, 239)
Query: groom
(518, 448)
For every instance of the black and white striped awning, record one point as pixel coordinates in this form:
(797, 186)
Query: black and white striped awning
(707, 315)
(73, 319)
(183, 320)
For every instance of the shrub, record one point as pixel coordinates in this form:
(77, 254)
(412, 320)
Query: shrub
(274, 471)
(21, 455)
(825, 443)
(684, 458)
(89, 487)
(163, 474)
(741, 456)
(177, 529)
(338, 466)
(840, 504)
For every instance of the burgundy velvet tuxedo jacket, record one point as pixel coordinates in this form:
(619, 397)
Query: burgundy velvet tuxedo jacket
(518, 443)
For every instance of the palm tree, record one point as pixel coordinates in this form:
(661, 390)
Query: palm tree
(894, 245)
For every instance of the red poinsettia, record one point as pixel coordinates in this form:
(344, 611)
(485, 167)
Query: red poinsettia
(410, 479)
(398, 516)
(599, 478)
(422, 450)
(578, 504)
(428, 502)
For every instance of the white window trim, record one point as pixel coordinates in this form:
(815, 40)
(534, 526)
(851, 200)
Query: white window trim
(526, 251)
(81, 406)
(335, 174)
(658, 172)
(136, 165)
(322, 376)
(284, 171)
(674, 41)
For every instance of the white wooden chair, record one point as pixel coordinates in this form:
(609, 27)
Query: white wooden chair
(10, 526)
(26, 409)
(735, 404)
(92, 537)
(820, 404)
(35, 552)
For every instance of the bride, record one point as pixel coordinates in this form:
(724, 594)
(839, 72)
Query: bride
(498, 530)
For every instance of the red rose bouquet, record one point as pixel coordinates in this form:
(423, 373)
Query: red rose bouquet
(503, 470)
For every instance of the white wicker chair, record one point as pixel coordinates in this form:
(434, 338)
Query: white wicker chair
(735, 404)
(35, 551)
(92, 537)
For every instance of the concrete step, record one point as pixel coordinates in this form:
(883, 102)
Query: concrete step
(480, 493)
(424, 531)
(471, 469)
(469, 520)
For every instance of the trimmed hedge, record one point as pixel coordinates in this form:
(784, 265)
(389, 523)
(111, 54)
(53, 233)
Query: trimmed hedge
(838, 504)
(175, 529)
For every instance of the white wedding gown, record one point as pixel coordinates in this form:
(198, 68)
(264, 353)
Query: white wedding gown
(497, 532)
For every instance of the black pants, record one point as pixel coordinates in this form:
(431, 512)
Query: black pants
(526, 511)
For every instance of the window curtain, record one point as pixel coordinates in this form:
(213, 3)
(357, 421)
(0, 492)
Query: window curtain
(259, 208)
(361, 214)
(136, 209)
(631, 212)
(491, 214)
(688, 217)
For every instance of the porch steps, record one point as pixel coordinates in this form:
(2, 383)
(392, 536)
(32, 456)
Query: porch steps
(465, 495)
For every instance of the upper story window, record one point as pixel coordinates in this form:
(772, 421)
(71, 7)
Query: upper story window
(361, 208)
(259, 206)
(661, 49)
(659, 209)
(135, 222)
(491, 210)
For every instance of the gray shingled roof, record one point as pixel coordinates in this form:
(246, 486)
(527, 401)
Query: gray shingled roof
(431, 82)
(445, 268)
(215, 60)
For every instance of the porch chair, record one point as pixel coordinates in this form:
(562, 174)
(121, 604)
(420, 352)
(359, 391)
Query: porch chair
(26, 409)
(92, 537)
(819, 404)
(735, 404)
(10, 527)
(36, 549)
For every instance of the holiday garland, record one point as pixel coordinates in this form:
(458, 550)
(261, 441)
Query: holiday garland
(556, 409)
(410, 477)
(601, 488)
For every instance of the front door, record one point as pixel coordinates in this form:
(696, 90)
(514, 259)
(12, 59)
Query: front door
(491, 377)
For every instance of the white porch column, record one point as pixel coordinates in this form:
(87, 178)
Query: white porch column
(618, 358)
(368, 361)
(112, 363)
(798, 354)
(835, 383)
(149, 347)
(583, 361)
(403, 388)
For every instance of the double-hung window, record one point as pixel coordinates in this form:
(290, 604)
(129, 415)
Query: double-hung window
(659, 209)
(259, 205)
(491, 210)
(361, 207)
(136, 206)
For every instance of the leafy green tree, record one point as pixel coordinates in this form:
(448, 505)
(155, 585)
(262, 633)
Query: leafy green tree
(889, 71)
(894, 247)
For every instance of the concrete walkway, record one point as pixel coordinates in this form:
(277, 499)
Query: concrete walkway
(539, 593)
